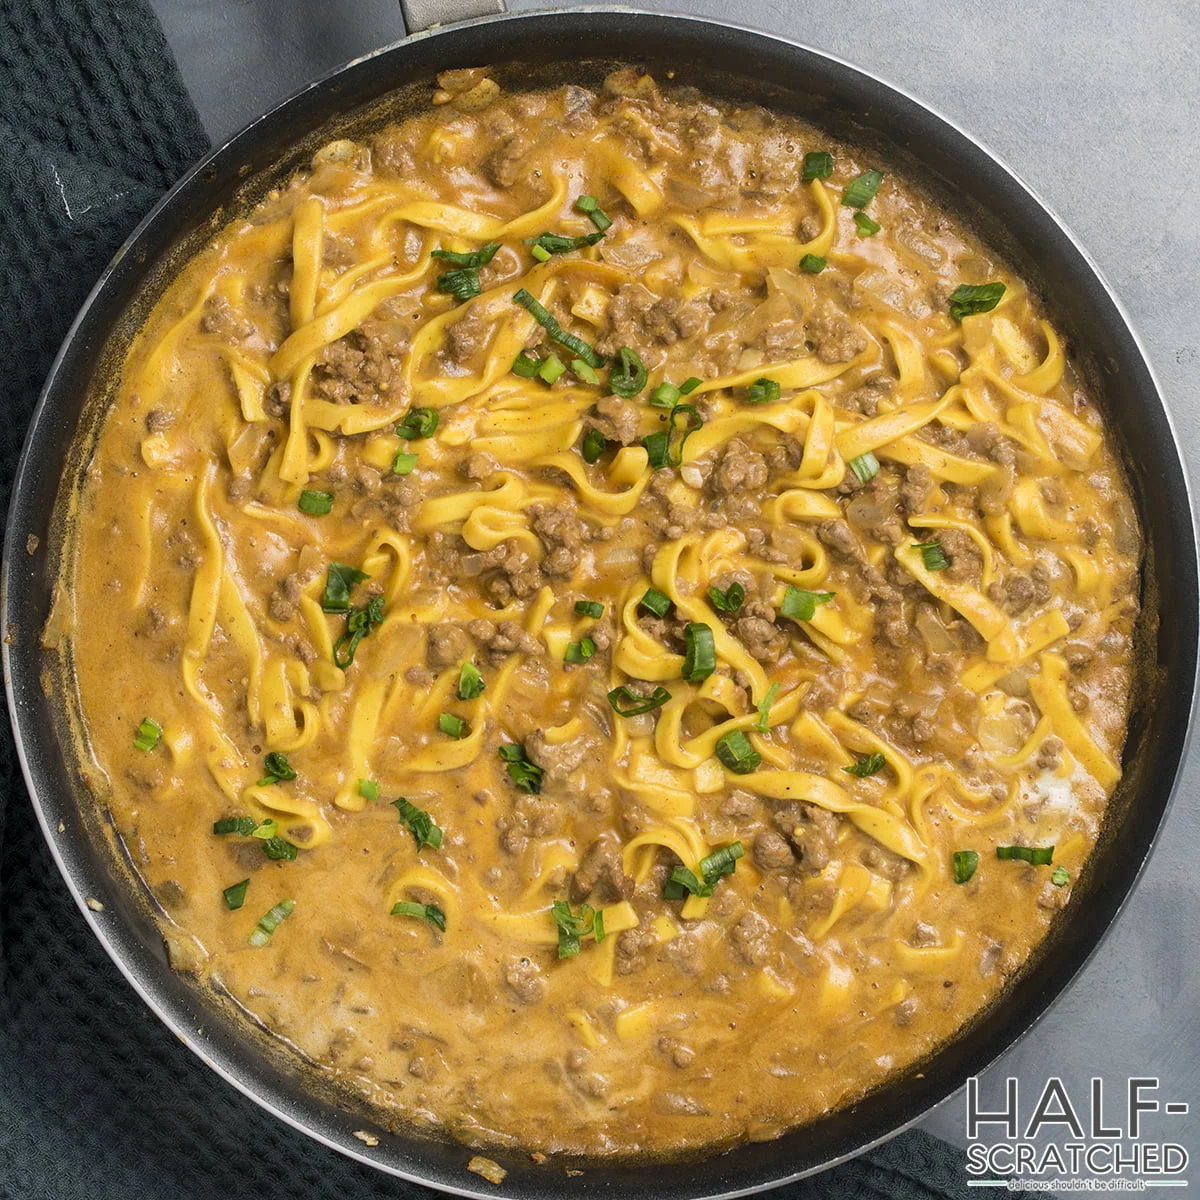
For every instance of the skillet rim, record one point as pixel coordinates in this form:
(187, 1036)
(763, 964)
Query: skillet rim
(261, 1082)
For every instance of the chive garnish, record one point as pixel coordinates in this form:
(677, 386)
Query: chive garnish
(149, 734)
(419, 823)
(277, 769)
(1038, 856)
(270, 921)
(736, 752)
(551, 368)
(594, 445)
(368, 789)
(764, 708)
(358, 625)
(865, 226)
(1060, 877)
(427, 912)
(689, 385)
(864, 466)
(589, 205)
(470, 682)
(580, 651)
(316, 504)
(658, 445)
(869, 764)
(558, 243)
(280, 849)
(583, 372)
(525, 365)
(572, 927)
(713, 868)
(546, 320)
(404, 463)
(762, 391)
(729, 600)
(627, 703)
(813, 264)
(452, 726)
(235, 894)
(665, 395)
(801, 605)
(242, 826)
(656, 602)
(589, 608)
(861, 191)
(462, 283)
(964, 863)
(932, 555)
(418, 423)
(629, 373)
(473, 258)
(818, 164)
(970, 298)
(527, 775)
(339, 582)
(700, 660)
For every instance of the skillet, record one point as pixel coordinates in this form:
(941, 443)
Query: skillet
(540, 49)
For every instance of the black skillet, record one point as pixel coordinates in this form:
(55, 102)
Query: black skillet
(550, 48)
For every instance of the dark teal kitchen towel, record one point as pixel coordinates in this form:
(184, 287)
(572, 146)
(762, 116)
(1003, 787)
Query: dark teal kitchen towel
(98, 1101)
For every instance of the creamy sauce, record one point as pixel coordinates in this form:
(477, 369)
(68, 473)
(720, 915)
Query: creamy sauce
(914, 518)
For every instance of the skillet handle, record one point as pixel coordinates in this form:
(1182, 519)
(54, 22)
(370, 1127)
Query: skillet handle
(420, 15)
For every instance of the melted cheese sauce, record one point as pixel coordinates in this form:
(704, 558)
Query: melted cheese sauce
(985, 688)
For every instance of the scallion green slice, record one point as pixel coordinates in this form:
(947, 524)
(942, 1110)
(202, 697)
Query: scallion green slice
(933, 555)
(277, 768)
(813, 264)
(418, 423)
(462, 283)
(864, 466)
(270, 921)
(419, 822)
(763, 391)
(818, 164)
(452, 726)
(764, 708)
(339, 582)
(551, 368)
(665, 395)
(242, 826)
(594, 445)
(149, 734)
(547, 321)
(865, 226)
(700, 659)
(583, 372)
(729, 600)
(473, 258)
(522, 770)
(580, 651)
(963, 864)
(316, 504)
(1037, 856)
(629, 373)
(525, 366)
(736, 752)
(470, 682)
(589, 608)
(627, 703)
(368, 789)
(426, 912)
(658, 445)
(1060, 877)
(656, 602)
(235, 894)
(861, 191)
(801, 605)
(970, 298)
(868, 764)
(559, 243)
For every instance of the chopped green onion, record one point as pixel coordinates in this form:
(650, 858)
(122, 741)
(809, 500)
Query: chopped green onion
(589, 608)
(865, 467)
(736, 752)
(689, 385)
(1060, 877)
(598, 217)
(865, 226)
(462, 283)
(583, 372)
(594, 445)
(339, 582)
(278, 769)
(658, 445)
(801, 605)
(764, 708)
(665, 395)
(557, 334)
(316, 504)
(861, 191)
(729, 600)
(970, 298)
(427, 912)
(659, 603)
(418, 423)
(419, 822)
(551, 368)
(700, 661)
(368, 789)
(629, 374)
(713, 868)
(358, 625)
(818, 164)
(964, 863)
(932, 555)
(813, 264)
(763, 391)
(580, 651)
(571, 927)
(404, 463)
(452, 726)
(869, 764)
(474, 258)
(1038, 856)
(235, 895)
(267, 830)
(243, 826)
(557, 243)
(627, 703)
(149, 734)
(526, 774)
(280, 849)
(270, 921)
(470, 682)
(525, 366)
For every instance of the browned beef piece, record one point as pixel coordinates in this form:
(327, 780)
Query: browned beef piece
(738, 470)
(503, 165)
(499, 641)
(833, 338)
(600, 873)
(751, 939)
(356, 369)
(447, 646)
(523, 978)
(464, 339)
(618, 420)
(812, 830)
(772, 851)
(637, 317)
(557, 761)
(221, 320)
(755, 628)
(509, 574)
(562, 535)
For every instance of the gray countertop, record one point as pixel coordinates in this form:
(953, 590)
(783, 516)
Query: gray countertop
(1095, 104)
